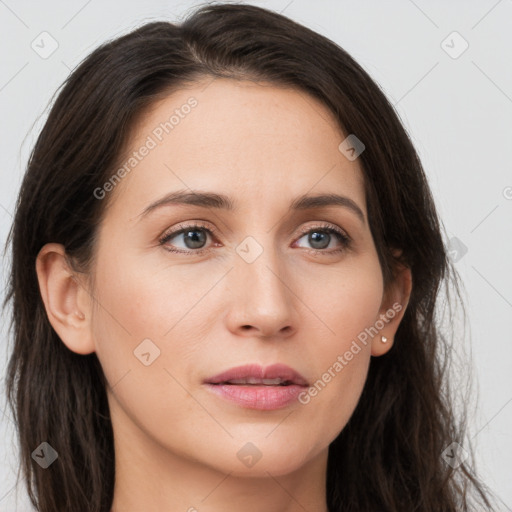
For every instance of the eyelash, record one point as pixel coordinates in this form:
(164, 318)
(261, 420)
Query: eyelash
(326, 228)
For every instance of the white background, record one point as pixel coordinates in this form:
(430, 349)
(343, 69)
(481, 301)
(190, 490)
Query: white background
(458, 112)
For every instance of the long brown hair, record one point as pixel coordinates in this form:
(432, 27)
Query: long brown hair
(389, 455)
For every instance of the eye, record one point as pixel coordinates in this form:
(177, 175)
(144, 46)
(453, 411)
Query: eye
(320, 237)
(194, 237)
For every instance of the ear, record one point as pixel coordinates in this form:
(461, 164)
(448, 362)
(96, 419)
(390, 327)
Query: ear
(66, 300)
(394, 303)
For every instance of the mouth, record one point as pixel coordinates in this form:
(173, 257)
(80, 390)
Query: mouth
(255, 387)
(256, 375)
(252, 381)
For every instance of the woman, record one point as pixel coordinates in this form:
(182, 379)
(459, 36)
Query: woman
(226, 261)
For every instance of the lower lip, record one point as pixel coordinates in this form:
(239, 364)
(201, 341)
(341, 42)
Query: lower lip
(263, 398)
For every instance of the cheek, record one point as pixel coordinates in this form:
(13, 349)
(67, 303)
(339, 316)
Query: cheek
(147, 300)
(348, 307)
(146, 340)
(149, 321)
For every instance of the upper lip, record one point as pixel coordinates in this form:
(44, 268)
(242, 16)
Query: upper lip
(256, 371)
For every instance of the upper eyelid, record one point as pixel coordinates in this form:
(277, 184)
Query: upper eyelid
(193, 225)
(323, 225)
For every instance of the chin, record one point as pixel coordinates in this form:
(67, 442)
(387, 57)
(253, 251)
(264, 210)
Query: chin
(258, 460)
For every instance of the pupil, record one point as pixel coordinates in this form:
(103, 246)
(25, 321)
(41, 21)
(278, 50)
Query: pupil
(316, 236)
(196, 241)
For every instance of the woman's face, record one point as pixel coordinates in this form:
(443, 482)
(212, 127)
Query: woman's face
(260, 283)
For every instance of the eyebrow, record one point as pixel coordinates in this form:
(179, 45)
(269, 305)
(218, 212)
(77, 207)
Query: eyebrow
(223, 202)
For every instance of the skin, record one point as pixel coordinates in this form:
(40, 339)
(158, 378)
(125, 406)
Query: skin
(176, 443)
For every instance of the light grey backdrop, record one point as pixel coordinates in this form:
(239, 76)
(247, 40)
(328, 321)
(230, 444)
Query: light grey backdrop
(453, 92)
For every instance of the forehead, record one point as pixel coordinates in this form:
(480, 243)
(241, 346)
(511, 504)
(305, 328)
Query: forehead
(253, 141)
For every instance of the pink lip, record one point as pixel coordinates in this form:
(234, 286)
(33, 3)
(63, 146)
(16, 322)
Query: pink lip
(253, 396)
(255, 370)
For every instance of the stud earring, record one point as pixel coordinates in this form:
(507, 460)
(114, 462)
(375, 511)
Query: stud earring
(384, 339)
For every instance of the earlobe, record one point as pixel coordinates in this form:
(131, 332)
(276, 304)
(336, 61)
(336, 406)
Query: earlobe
(64, 298)
(392, 310)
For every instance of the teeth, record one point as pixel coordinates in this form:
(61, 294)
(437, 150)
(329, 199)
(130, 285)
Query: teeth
(254, 380)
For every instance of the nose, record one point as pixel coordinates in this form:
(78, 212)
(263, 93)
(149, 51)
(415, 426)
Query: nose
(263, 303)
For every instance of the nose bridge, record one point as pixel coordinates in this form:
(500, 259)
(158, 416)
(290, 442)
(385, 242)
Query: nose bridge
(261, 265)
